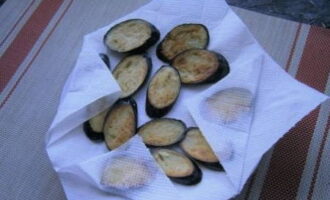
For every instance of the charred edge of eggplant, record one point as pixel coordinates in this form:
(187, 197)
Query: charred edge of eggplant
(166, 146)
(211, 165)
(208, 35)
(130, 101)
(159, 53)
(192, 179)
(222, 71)
(214, 165)
(170, 145)
(92, 135)
(154, 112)
(149, 64)
(159, 48)
(105, 59)
(154, 37)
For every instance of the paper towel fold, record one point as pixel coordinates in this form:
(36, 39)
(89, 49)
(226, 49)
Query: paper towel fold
(91, 173)
(279, 102)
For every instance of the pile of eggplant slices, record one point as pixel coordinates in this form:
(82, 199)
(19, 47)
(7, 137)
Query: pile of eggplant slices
(175, 147)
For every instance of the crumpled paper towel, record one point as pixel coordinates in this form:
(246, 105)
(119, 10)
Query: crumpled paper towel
(278, 103)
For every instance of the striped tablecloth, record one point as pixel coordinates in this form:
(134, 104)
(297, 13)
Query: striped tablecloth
(39, 43)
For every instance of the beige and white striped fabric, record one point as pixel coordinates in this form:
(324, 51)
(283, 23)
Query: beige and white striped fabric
(39, 43)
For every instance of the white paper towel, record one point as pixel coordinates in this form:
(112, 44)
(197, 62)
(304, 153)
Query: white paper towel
(91, 171)
(278, 103)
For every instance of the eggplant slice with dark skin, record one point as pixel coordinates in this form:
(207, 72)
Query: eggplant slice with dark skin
(197, 148)
(120, 124)
(132, 73)
(105, 59)
(131, 36)
(198, 66)
(163, 91)
(93, 128)
(181, 38)
(178, 167)
(162, 132)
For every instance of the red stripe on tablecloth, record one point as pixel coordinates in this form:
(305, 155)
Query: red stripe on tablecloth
(318, 162)
(288, 63)
(323, 42)
(26, 38)
(293, 48)
(289, 157)
(19, 19)
(38, 51)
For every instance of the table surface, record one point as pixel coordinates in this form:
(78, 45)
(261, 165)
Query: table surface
(316, 12)
(39, 44)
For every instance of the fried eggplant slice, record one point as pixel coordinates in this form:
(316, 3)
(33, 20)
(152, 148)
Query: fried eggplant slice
(131, 73)
(105, 59)
(181, 38)
(200, 66)
(163, 91)
(126, 173)
(120, 124)
(197, 148)
(178, 167)
(162, 132)
(93, 128)
(131, 36)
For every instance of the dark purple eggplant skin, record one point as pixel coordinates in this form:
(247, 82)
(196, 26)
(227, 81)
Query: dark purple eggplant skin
(149, 63)
(214, 166)
(160, 54)
(222, 71)
(92, 135)
(105, 59)
(159, 48)
(193, 179)
(170, 145)
(154, 112)
(155, 35)
(210, 165)
(132, 102)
